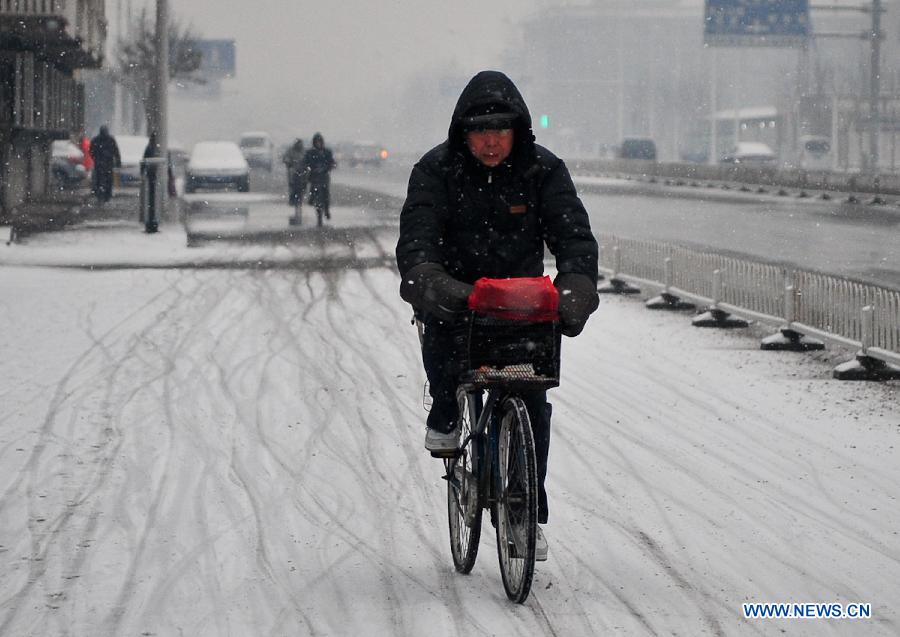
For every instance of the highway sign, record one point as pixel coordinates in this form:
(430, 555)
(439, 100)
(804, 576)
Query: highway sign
(756, 22)
(218, 58)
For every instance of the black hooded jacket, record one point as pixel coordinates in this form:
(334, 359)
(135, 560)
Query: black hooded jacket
(318, 162)
(105, 152)
(478, 221)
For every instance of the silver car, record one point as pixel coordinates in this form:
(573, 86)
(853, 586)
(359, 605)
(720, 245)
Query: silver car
(217, 164)
(258, 149)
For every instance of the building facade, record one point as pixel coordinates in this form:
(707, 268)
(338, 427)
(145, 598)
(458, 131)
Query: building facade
(606, 70)
(43, 44)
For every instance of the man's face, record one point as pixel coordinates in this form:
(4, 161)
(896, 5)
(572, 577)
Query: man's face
(490, 147)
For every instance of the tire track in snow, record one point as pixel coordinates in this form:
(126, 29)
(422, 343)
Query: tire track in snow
(46, 536)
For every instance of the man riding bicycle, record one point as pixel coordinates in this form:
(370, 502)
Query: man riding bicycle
(484, 203)
(319, 162)
(296, 171)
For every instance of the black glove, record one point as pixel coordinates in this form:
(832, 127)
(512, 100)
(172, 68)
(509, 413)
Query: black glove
(578, 298)
(428, 287)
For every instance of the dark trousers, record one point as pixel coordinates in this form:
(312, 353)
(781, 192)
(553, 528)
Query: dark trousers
(103, 182)
(437, 351)
(319, 195)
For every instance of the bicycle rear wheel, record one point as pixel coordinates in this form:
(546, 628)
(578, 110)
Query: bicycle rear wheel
(295, 220)
(464, 497)
(517, 500)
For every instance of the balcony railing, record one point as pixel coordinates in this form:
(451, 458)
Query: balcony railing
(82, 22)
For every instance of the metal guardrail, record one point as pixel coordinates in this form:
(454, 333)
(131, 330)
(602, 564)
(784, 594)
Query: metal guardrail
(886, 183)
(856, 315)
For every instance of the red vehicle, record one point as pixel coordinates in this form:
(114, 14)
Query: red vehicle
(67, 165)
(86, 150)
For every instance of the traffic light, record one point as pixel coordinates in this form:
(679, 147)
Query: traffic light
(545, 121)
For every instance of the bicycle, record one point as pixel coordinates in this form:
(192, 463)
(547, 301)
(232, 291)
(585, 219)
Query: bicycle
(296, 218)
(321, 215)
(494, 467)
(318, 199)
(296, 186)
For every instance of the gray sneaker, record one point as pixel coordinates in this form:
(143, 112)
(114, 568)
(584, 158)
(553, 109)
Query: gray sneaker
(540, 546)
(540, 543)
(440, 443)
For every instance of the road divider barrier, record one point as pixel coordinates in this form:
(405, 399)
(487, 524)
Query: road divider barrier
(780, 179)
(808, 309)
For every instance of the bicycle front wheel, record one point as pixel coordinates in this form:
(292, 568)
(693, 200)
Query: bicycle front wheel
(464, 496)
(517, 500)
(295, 220)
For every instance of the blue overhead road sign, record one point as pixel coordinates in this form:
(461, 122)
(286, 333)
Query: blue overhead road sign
(218, 59)
(756, 22)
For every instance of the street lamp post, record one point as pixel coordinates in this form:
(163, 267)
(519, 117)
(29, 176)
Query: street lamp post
(162, 105)
(874, 35)
(874, 85)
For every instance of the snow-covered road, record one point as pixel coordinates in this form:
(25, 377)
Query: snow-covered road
(238, 451)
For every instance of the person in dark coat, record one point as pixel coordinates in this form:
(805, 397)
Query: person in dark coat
(296, 171)
(319, 162)
(485, 203)
(105, 153)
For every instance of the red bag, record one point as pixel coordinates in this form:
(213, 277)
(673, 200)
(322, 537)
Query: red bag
(518, 299)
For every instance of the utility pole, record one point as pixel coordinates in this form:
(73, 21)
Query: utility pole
(154, 166)
(713, 108)
(874, 85)
(162, 105)
(874, 36)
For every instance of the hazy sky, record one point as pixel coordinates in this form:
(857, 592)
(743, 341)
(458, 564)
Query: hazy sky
(304, 65)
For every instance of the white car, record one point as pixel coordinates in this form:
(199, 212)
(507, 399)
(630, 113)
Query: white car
(131, 151)
(258, 149)
(217, 164)
(752, 153)
(67, 163)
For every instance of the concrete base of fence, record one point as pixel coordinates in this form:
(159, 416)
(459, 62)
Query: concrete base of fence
(790, 341)
(617, 286)
(866, 368)
(666, 301)
(718, 318)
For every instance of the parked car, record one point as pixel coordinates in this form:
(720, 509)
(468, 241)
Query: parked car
(258, 149)
(752, 153)
(362, 154)
(131, 151)
(638, 148)
(67, 163)
(215, 164)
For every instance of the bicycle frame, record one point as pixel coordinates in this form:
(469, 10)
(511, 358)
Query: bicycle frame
(488, 480)
(498, 362)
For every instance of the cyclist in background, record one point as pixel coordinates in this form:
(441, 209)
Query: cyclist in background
(484, 203)
(296, 171)
(319, 163)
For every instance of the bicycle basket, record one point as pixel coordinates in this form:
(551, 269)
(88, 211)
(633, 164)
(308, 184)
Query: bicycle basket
(515, 354)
